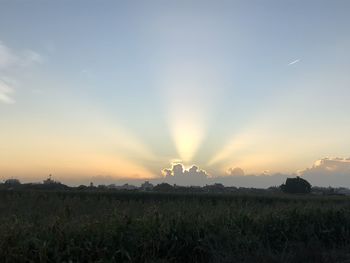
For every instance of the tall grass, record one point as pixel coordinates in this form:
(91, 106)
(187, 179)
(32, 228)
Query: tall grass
(148, 227)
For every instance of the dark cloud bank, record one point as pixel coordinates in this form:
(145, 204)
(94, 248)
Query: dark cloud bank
(325, 172)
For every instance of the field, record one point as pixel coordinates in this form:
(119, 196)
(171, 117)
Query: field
(77, 226)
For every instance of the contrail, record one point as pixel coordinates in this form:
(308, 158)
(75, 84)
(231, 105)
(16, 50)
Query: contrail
(293, 62)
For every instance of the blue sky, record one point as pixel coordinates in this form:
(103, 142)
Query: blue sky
(125, 88)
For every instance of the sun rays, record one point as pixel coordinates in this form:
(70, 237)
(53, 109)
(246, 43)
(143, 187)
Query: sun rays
(186, 90)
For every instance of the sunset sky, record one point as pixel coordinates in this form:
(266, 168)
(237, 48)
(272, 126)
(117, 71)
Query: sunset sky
(125, 89)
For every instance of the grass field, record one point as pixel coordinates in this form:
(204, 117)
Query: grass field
(153, 227)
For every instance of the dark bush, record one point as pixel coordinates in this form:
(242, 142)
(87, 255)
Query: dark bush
(296, 186)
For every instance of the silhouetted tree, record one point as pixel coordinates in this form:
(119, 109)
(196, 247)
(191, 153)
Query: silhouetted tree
(214, 188)
(296, 186)
(12, 182)
(147, 186)
(82, 187)
(163, 187)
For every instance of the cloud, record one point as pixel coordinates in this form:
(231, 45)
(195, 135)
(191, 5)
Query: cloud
(30, 57)
(7, 57)
(5, 92)
(329, 171)
(235, 171)
(325, 172)
(294, 62)
(12, 64)
(178, 170)
(177, 174)
(329, 166)
(10, 58)
(195, 176)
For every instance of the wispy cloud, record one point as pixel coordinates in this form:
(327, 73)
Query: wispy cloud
(7, 57)
(294, 62)
(30, 57)
(5, 92)
(11, 63)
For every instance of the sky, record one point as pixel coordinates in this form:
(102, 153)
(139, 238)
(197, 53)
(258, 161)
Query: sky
(128, 89)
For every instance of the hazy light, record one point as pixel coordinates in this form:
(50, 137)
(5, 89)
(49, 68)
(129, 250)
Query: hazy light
(92, 145)
(186, 88)
(235, 144)
(188, 134)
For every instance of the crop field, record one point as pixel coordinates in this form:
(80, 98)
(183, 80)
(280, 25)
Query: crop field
(87, 226)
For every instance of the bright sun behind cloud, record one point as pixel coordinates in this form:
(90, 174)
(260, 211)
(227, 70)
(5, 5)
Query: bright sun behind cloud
(186, 88)
(187, 136)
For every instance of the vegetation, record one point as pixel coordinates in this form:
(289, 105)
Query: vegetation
(129, 226)
(296, 186)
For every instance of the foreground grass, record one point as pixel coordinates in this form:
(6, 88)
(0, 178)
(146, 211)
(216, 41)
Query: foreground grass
(145, 227)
